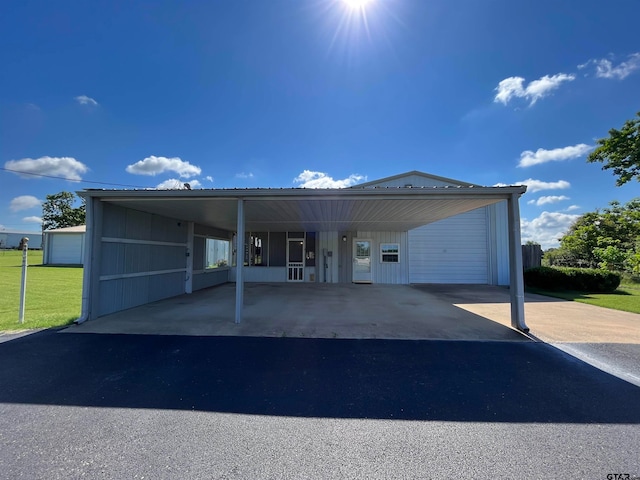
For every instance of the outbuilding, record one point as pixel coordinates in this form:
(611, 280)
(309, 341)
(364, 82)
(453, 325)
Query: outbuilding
(64, 246)
(12, 238)
(146, 245)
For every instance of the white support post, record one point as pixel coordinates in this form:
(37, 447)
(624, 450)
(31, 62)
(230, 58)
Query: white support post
(516, 278)
(86, 261)
(24, 244)
(188, 286)
(239, 261)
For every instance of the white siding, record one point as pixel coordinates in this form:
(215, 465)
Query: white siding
(387, 273)
(499, 243)
(453, 250)
(329, 242)
(66, 248)
(261, 274)
(414, 181)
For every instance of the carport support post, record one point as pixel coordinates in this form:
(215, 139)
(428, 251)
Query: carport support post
(239, 261)
(516, 280)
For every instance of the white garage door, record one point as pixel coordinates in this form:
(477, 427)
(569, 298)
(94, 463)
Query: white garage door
(453, 250)
(66, 249)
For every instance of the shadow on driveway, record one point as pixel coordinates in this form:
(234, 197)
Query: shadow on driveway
(470, 381)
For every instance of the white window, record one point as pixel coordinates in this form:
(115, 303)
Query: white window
(217, 253)
(389, 252)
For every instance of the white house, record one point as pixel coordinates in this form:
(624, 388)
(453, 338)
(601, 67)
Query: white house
(64, 246)
(146, 245)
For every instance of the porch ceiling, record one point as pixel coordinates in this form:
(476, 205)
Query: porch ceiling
(337, 210)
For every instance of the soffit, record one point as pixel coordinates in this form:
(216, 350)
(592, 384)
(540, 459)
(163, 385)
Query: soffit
(310, 212)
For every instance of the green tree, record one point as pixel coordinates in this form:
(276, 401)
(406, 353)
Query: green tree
(58, 211)
(620, 151)
(609, 239)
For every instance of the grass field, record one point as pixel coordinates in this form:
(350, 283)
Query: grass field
(625, 298)
(53, 297)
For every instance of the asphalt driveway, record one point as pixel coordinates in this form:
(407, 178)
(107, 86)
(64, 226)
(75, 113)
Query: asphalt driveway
(158, 406)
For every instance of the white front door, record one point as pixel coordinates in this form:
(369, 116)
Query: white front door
(295, 260)
(361, 261)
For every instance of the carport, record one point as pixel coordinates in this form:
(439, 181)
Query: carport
(331, 210)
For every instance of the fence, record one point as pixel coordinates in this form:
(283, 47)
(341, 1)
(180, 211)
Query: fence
(531, 256)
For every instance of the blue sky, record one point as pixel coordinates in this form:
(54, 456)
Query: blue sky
(320, 93)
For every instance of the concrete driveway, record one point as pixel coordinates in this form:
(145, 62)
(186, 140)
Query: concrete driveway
(433, 312)
(313, 311)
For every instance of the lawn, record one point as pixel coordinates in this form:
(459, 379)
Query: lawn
(625, 298)
(53, 297)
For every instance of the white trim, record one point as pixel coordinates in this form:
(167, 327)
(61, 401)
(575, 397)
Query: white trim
(118, 276)
(397, 254)
(354, 241)
(142, 242)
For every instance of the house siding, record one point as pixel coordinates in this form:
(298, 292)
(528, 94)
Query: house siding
(387, 273)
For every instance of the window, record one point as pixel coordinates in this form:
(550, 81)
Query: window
(389, 252)
(216, 253)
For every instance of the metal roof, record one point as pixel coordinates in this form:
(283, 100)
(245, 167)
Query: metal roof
(299, 209)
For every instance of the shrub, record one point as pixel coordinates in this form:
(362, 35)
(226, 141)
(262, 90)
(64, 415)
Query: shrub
(579, 279)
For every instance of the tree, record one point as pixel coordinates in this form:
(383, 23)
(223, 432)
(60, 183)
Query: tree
(58, 211)
(608, 239)
(620, 151)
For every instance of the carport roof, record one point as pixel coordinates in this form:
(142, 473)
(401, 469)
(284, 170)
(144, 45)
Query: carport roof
(300, 209)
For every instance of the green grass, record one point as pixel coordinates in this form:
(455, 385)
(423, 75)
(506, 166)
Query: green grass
(53, 295)
(625, 298)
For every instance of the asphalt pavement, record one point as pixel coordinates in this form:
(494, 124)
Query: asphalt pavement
(151, 406)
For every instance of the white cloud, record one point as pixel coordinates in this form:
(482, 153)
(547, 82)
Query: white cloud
(244, 175)
(209, 178)
(548, 199)
(529, 157)
(572, 208)
(84, 100)
(32, 219)
(309, 179)
(606, 69)
(65, 167)
(547, 228)
(538, 185)
(24, 202)
(176, 184)
(513, 87)
(154, 165)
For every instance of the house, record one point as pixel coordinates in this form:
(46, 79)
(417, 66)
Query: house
(64, 246)
(146, 245)
(12, 238)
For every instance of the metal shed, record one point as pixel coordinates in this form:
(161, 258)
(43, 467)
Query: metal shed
(146, 245)
(64, 246)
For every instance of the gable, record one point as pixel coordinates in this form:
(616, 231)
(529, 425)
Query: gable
(413, 179)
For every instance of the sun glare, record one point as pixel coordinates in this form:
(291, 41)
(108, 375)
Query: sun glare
(357, 4)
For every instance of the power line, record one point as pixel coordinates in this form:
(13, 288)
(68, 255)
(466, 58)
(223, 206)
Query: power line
(70, 180)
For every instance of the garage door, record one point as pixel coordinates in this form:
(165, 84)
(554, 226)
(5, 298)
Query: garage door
(453, 250)
(66, 249)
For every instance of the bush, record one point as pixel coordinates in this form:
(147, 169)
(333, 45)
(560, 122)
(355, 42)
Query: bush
(578, 279)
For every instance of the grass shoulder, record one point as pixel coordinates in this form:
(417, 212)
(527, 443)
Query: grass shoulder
(53, 294)
(625, 298)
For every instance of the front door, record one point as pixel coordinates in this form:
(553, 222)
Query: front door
(295, 260)
(361, 261)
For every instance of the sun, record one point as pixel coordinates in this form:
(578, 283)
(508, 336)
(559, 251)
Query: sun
(356, 4)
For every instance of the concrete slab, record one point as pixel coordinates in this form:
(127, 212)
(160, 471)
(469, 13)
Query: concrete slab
(550, 319)
(313, 310)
